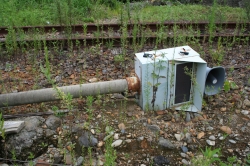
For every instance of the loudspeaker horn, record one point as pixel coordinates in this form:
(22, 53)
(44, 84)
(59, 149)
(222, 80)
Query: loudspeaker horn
(215, 78)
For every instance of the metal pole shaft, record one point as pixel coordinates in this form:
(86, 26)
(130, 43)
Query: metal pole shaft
(50, 94)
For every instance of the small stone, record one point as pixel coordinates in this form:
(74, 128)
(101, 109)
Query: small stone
(93, 80)
(185, 162)
(243, 129)
(40, 162)
(232, 141)
(209, 128)
(223, 109)
(216, 155)
(211, 143)
(87, 139)
(100, 162)
(221, 138)
(245, 112)
(100, 144)
(184, 155)
(92, 131)
(166, 143)
(212, 137)
(153, 128)
(237, 111)
(128, 140)
(167, 117)
(123, 131)
(68, 159)
(230, 150)
(118, 96)
(178, 137)
(140, 138)
(184, 149)
(116, 136)
(129, 135)
(99, 116)
(116, 143)
(246, 102)
(188, 138)
(149, 121)
(188, 117)
(200, 135)
(160, 160)
(226, 129)
(233, 62)
(121, 126)
(79, 161)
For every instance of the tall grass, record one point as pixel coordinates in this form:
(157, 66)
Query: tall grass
(44, 12)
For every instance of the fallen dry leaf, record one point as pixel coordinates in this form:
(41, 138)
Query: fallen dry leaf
(226, 129)
(200, 135)
(121, 126)
(144, 144)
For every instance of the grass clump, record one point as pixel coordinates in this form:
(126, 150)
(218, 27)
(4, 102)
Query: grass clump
(212, 157)
(110, 153)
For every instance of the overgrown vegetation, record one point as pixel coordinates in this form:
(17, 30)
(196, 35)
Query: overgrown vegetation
(69, 12)
(213, 156)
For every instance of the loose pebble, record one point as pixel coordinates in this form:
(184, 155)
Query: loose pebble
(232, 141)
(211, 143)
(116, 143)
(212, 137)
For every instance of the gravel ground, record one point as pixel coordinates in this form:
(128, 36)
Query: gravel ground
(140, 138)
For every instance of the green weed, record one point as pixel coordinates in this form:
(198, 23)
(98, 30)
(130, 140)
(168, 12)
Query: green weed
(2, 130)
(209, 157)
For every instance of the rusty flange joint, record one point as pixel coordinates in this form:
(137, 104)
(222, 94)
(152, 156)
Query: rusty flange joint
(133, 84)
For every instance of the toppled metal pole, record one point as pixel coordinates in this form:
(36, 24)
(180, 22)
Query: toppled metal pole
(50, 94)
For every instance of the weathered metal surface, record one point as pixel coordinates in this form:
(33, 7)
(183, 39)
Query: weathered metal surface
(115, 27)
(133, 84)
(50, 94)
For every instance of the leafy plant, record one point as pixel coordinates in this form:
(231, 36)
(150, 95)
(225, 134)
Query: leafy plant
(14, 158)
(110, 154)
(227, 86)
(247, 160)
(246, 7)
(30, 157)
(218, 54)
(230, 161)
(209, 157)
(67, 98)
(89, 108)
(119, 58)
(2, 130)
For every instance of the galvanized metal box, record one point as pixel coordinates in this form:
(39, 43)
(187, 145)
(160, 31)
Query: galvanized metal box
(171, 78)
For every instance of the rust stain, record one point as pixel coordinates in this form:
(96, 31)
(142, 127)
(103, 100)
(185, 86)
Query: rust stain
(133, 84)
